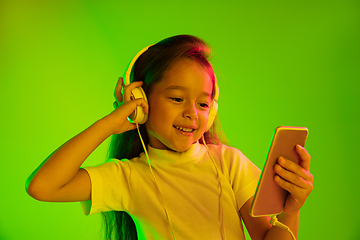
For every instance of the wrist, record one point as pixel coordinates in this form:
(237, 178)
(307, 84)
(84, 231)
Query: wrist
(103, 126)
(285, 217)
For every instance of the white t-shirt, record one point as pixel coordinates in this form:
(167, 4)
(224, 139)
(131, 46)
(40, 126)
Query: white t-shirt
(189, 185)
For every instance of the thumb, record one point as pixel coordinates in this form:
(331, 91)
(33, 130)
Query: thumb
(305, 157)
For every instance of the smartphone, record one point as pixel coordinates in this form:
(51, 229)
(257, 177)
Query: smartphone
(269, 198)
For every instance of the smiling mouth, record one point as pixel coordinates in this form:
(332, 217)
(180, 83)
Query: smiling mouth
(187, 130)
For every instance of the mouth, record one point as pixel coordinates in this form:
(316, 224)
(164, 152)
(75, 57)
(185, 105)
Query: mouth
(185, 130)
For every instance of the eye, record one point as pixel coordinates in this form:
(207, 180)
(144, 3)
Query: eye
(204, 105)
(176, 99)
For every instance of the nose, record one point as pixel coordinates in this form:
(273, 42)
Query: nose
(190, 112)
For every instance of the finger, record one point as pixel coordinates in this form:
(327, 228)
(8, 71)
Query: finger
(132, 126)
(298, 192)
(294, 190)
(290, 177)
(285, 184)
(294, 168)
(141, 102)
(117, 92)
(128, 89)
(305, 157)
(115, 104)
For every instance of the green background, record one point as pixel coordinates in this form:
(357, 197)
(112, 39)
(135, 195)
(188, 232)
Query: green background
(292, 63)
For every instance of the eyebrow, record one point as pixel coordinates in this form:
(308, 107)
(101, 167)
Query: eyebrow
(182, 88)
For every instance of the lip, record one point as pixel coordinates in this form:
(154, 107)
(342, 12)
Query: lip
(185, 133)
(185, 126)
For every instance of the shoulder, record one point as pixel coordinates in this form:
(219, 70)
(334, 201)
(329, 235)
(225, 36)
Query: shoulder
(237, 168)
(114, 164)
(225, 152)
(231, 158)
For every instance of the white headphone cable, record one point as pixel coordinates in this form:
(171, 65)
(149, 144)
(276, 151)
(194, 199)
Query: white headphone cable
(156, 183)
(221, 213)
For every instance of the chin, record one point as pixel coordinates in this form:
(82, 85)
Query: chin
(181, 148)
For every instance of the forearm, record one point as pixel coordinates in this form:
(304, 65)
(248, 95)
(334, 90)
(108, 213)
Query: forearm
(291, 221)
(63, 164)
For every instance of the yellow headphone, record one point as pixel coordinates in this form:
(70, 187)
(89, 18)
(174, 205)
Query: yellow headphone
(138, 116)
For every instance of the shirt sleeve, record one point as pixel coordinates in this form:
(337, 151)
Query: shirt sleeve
(110, 188)
(243, 175)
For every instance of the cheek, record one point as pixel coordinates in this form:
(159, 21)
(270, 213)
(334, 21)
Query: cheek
(203, 120)
(156, 109)
(158, 114)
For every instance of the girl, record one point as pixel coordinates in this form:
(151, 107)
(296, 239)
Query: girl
(180, 188)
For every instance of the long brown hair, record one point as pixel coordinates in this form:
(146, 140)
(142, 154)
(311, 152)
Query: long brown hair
(150, 68)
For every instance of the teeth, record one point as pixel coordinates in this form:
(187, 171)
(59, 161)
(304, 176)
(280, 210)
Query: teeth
(184, 129)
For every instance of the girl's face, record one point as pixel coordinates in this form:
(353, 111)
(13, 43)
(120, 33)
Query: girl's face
(179, 106)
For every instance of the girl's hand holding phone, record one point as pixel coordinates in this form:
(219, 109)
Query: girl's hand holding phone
(117, 120)
(296, 179)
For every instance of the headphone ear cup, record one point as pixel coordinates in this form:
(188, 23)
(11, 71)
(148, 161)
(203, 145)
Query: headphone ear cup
(212, 114)
(138, 116)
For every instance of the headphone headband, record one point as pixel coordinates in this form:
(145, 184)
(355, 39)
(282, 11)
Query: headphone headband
(216, 89)
(126, 78)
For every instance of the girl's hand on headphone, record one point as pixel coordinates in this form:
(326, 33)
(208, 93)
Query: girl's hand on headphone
(124, 106)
